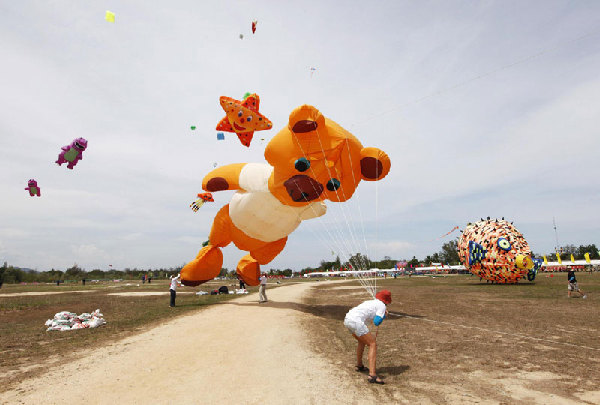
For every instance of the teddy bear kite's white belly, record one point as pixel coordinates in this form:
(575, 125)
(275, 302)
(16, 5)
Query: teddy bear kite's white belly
(261, 216)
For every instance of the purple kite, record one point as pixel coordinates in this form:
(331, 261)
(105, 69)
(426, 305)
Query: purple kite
(33, 188)
(72, 153)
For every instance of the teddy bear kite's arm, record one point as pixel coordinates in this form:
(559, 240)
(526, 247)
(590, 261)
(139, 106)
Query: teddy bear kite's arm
(223, 178)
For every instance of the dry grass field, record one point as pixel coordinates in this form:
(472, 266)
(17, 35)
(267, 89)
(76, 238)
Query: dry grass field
(26, 349)
(456, 340)
(448, 339)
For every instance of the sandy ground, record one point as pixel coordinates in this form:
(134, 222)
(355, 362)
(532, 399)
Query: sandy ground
(239, 352)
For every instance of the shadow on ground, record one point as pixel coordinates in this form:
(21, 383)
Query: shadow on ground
(393, 370)
(334, 312)
(495, 285)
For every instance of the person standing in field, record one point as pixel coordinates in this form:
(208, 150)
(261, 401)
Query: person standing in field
(573, 284)
(262, 290)
(355, 320)
(173, 289)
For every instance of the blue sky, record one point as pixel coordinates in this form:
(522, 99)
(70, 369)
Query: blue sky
(485, 109)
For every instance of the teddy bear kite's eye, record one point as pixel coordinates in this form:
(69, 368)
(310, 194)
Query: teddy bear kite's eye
(333, 184)
(302, 164)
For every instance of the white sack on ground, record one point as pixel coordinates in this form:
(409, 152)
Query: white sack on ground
(66, 320)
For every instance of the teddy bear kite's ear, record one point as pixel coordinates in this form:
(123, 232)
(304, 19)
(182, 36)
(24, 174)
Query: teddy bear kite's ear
(374, 164)
(305, 119)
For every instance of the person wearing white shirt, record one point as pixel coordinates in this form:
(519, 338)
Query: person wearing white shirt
(262, 294)
(173, 288)
(371, 310)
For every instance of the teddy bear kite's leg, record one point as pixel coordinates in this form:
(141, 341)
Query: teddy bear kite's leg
(207, 264)
(248, 268)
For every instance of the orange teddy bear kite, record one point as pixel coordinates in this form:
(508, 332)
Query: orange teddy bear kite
(311, 160)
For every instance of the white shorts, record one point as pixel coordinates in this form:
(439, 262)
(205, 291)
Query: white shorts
(573, 287)
(357, 327)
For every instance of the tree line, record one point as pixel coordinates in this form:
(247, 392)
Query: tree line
(11, 274)
(447, 255)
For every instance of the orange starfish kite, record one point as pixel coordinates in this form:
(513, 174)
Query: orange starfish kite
(243, 118)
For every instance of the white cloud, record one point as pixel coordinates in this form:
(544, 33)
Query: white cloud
(191, 240)
(131, 236)
(395, 248)
(14, 233)
(83, 253)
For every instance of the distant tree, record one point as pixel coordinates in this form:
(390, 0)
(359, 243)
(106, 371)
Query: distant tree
(2, 271)
(55, 275)
(223, 272)
(449, 253)
(13, 275)
(434, 258)
(307, 270)
(74, 272)
(566, 252)
(591, 249)
(96, 274)
(358, 261)
(386, 263)
(414, 262)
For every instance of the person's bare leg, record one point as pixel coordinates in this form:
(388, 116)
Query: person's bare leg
(372, 357)
(369, 340)
(360, 349)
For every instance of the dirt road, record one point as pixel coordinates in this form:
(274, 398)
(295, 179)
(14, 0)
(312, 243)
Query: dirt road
(239, 352)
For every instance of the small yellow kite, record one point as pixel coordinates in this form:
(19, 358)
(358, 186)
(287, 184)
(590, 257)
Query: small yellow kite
(110, 16)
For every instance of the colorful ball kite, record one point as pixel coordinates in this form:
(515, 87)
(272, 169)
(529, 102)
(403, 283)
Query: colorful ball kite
(495, 250)
(310, 160)
(33, 188)
(72, 153)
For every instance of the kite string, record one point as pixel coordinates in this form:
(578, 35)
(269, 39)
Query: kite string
(358, 200)
(363, 281)
(360, 261)
(478, 77)
(340, 244)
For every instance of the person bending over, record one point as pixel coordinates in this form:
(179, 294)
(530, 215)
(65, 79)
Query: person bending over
(356, 319)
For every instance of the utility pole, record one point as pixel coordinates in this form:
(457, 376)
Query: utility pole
(556, 234)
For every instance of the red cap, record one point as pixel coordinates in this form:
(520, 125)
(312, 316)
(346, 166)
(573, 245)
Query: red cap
(384, 296)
